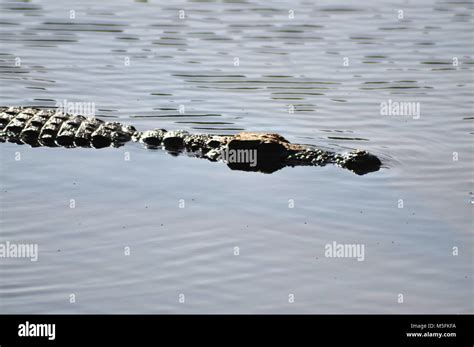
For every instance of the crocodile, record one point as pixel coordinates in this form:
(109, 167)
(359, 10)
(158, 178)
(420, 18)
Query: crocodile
(247, 151)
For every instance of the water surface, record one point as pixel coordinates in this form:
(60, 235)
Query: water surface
(142, 64)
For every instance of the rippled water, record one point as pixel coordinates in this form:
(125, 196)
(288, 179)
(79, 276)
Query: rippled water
(143, 64)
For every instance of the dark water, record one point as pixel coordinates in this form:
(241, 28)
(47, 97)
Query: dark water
(139, 62)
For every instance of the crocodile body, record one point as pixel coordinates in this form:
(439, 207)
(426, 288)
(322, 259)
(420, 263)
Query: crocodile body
(48, 127)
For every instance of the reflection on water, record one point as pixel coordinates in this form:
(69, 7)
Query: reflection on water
(316, 73)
